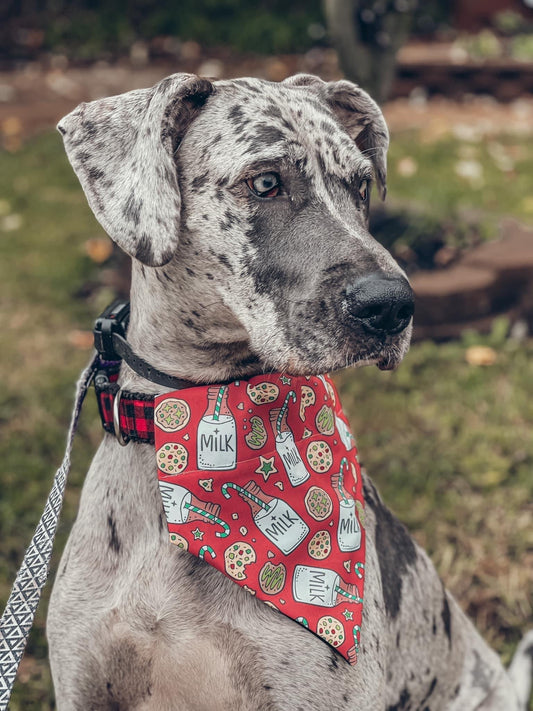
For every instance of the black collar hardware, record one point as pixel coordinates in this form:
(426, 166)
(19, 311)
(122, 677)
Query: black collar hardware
(110, 341)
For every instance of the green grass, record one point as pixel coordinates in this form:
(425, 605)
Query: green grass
(448, 444)
(504, 184)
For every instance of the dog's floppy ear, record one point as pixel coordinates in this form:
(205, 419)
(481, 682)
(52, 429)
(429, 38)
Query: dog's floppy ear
(364, 122)
(360, 116)
(122, 150)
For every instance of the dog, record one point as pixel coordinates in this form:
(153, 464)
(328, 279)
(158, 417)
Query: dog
(244, 205)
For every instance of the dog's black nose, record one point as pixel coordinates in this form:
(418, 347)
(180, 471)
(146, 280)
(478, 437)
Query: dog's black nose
(382, 304)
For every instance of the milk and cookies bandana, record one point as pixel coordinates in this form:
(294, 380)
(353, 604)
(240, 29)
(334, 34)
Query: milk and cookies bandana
(260, 478)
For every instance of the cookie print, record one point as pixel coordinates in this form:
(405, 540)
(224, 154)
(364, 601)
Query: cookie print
(272, 578)
(257, 437)
(172, 458)
(319, 547)
(319, 456)
(172, 414)
(262, 393)
(331, 629)
(237, 557)
(307, 398)
(179, 541)
(324, 421)
(318, 503)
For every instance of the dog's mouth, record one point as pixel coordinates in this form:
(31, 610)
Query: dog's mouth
(340, 353)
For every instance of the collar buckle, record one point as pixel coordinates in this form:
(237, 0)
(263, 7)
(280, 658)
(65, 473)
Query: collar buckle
(114, 319)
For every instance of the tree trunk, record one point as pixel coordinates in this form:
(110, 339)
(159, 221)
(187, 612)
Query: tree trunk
(367, 35)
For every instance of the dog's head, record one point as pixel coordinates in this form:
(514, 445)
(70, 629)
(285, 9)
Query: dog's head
(259, 193)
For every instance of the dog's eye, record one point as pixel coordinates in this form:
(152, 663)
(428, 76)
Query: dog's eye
(264, 185)
(363, 190)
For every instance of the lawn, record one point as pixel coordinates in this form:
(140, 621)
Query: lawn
(448, 443)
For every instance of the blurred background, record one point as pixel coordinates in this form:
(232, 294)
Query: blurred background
(447, 438)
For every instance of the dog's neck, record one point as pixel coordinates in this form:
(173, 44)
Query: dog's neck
(180, 325)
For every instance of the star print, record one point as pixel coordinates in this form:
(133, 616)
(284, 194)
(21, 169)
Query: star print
(285, 380)
(348, 615)
(198, 535)
(267, 467)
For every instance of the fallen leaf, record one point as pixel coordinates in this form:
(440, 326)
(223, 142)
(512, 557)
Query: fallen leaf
(99, 249)
(480, 355)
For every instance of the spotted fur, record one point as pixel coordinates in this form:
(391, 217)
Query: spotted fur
(228, 285)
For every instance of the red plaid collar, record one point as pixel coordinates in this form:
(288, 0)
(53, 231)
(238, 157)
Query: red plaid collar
(136, 410)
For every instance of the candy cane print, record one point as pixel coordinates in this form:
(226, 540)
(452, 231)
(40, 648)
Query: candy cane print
(238, 488)
(357, 569)
(210, 517)
(357, 638)
(344, 593)
(216, 414)
(342, 491)
(206, 549)
(283, 410)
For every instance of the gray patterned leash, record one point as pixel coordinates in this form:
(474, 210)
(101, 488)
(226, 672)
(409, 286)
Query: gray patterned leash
(17, 619)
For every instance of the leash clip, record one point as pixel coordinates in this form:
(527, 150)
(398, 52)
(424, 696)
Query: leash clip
(114, 319)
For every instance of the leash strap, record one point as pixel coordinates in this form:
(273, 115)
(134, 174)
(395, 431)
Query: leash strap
(18, 616)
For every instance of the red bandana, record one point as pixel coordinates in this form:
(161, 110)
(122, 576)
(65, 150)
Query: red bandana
(261, 477)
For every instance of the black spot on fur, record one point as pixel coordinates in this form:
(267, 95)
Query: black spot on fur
(264, 135)
(61, 130)
(345, 698)
(83, 156)
(398, 639)
(252, 359)
(434, 626)
(225, 261)
(132, 209)
(333, 662)
(272, 111)
(91, 129)
(266, 687)
(200, 181)
(229, 220)
(402, 703)
(190, 272)
(430, 690)
(446, 618)
(236, 115)
(114, 542)
(144, 250)
(95, 173)
(395, 548)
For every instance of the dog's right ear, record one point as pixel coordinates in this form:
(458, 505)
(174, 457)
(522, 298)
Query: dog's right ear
(122, 150)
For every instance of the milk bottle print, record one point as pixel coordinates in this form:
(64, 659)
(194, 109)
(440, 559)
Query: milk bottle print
(285, 444)
(321, 586)
(217, 436)
(346, 436)
(181, 506)
(348, 528)
(273, 517)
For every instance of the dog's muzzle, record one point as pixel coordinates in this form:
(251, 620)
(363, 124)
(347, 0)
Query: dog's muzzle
(382, 304)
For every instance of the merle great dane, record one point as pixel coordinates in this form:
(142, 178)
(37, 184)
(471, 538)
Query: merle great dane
(244, 205)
